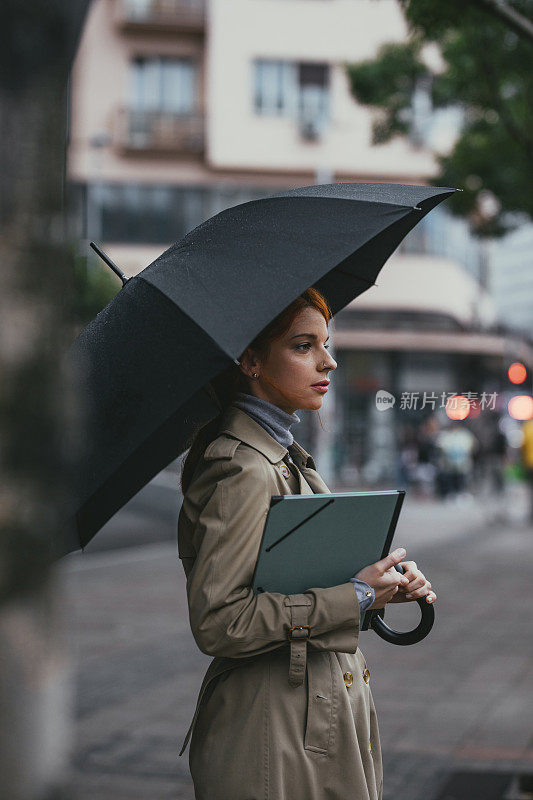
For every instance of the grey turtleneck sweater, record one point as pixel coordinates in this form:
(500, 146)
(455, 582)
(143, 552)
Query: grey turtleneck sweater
(278, 423)
(272, 418)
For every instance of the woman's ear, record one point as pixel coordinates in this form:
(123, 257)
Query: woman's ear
(249, 363)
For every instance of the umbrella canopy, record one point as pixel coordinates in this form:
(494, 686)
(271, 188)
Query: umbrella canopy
(145, 358)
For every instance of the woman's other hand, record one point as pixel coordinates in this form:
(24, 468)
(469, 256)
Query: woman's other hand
(384, 579)
(417, 586)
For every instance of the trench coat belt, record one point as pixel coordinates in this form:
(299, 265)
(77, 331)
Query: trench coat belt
(299, 633)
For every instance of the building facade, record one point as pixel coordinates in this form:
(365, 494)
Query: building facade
(180, 108)
(511, 275)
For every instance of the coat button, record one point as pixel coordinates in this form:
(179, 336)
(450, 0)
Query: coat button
(348, 678)
(366, 675)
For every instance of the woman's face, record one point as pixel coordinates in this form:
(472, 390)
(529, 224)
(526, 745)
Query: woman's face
(297, 360)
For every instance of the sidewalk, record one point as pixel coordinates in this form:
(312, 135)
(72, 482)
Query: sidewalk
(460, 700)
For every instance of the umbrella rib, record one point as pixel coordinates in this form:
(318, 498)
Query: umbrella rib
(204, 331)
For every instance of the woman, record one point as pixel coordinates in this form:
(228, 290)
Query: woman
(285, 710)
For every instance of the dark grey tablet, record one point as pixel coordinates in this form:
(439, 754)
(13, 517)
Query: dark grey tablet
(320, 540)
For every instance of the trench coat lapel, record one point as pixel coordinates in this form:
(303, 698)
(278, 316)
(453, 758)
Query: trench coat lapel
(310, 480)
(240, 425)
(237, 423)
(305, 487)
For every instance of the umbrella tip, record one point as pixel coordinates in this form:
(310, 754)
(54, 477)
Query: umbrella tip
(105, 258)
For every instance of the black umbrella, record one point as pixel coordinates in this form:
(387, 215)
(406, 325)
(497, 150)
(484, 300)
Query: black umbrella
(146, 357)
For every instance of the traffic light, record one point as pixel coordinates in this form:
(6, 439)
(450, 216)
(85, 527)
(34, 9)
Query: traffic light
(519, 406)
(517, 373)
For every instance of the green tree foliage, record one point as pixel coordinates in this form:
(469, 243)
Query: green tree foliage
(488, 73)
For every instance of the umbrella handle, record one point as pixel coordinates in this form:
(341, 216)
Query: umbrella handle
(427, 618)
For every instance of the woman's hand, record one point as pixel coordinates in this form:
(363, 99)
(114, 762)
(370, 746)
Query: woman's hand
(416, 587)
(384, 579)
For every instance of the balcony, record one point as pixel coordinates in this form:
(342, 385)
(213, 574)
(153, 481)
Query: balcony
(161, 16)
(158, 132)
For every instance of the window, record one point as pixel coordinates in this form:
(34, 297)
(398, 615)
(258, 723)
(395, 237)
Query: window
(139, 213)
(313, 81)
(275, 87)
(293, 89)
(156, 214)
(163, 84)
(138, 9)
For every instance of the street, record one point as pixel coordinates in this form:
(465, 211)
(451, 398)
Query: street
(459, 701)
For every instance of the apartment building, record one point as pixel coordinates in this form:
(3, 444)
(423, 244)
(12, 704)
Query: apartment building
(180, 108)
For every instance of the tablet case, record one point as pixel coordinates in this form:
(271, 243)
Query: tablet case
(321, 540)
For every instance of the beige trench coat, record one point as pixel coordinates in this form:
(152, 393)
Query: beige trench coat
(275, 720)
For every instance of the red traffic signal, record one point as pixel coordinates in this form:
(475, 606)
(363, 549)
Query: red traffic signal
(517, 373)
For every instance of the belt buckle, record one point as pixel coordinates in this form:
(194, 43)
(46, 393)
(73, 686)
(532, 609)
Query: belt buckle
(299, 628)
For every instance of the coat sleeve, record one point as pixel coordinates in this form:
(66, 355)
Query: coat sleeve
(226, 618)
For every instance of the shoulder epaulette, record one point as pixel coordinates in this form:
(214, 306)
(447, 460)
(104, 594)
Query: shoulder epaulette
(221, 447)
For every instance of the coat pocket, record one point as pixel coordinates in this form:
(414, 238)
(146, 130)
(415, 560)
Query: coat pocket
(322, 702)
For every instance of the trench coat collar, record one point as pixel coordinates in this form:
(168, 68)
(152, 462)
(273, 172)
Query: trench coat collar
(240, 425)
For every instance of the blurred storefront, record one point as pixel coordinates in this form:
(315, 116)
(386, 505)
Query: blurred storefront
(426, 333)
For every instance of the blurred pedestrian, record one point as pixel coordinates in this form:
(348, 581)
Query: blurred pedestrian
(526, 451)
(456, 445)
(407, 457)
(426, 469)
(495, 455)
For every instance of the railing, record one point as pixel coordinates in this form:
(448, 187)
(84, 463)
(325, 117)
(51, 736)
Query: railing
(163, 14)
(159, 131)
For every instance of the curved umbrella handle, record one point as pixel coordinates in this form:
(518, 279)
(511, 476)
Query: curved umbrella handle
(405, 637)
